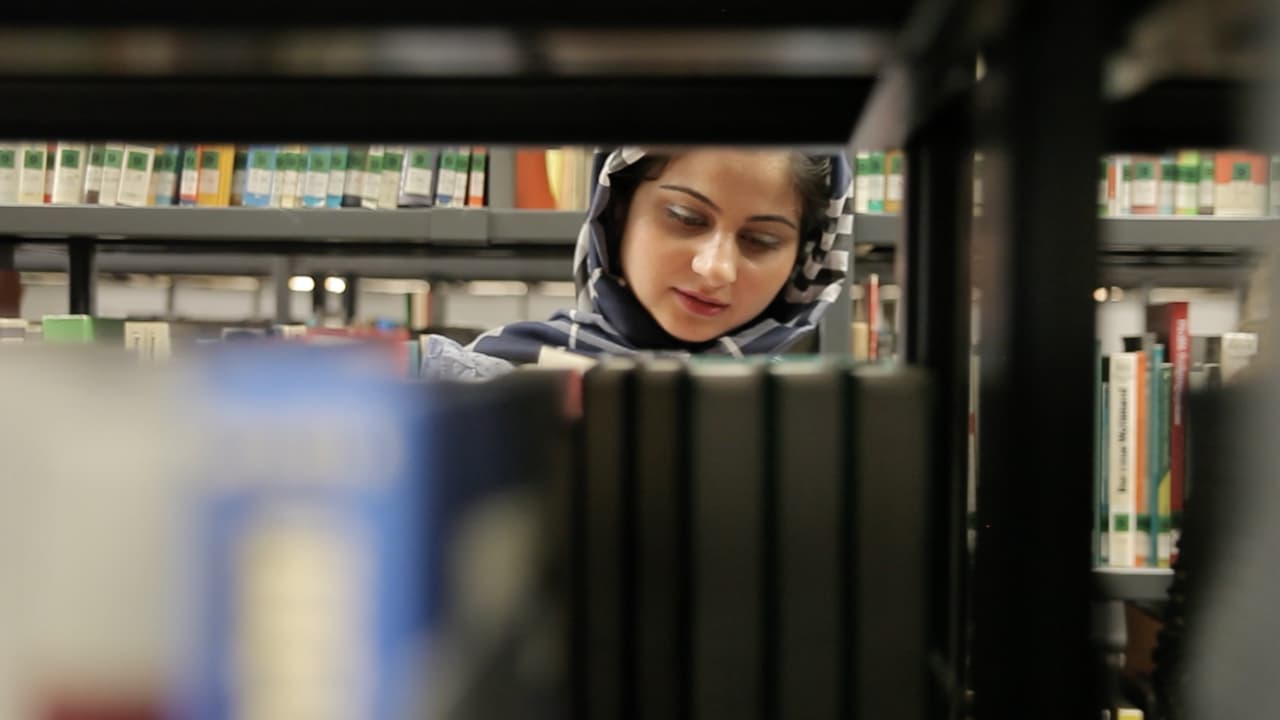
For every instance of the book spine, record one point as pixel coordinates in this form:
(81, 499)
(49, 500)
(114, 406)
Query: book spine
(10, 156)
(1144, 193)
(372, 177)
(461, 163)
(895, 188)
(1122, 459)
(1104, 186)
(1187, 198)
(316, 178)
(337, 176)
(1141, 499)
(1205, 196)
(112, 169)
(447, 177)
(1154, 469)
(875, 183)
(50, 167)
(861, 182)
(135, 178)
(261, 176)
(1168, 184)
(392, 169)
(189, 180)
(31, 178)
(353, 185)
(68, 173)
(1164, 543)
(93, 174)
(239, 175)
(418, 183)
(164, 175)
(476, 185)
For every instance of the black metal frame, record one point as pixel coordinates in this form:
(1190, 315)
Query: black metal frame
(1039, 117)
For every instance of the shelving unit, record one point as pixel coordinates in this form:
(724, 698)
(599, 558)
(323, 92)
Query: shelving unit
(1041, 253)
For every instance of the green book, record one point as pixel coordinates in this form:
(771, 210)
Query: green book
(67, 328)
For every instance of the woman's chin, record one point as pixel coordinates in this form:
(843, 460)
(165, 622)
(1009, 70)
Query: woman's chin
(689, 332)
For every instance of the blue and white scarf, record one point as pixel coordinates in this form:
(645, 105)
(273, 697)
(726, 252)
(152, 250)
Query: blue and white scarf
(609, 319)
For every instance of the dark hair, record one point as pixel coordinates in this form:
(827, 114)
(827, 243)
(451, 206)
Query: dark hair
(810, 174)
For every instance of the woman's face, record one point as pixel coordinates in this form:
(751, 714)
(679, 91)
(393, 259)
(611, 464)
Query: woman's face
(710, 243)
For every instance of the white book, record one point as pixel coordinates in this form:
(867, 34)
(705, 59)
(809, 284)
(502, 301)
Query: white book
(68, 172)
(31, 175)
(1168, 185)
(372, 177)
(284, 188)
(315, 179)
(1122, 459)
(10, 158)
(461, 171)
(1205, 196)
(417, 186)
(93, 174)
(135, 178)
(353, 186)
(112, 167)
(392, 166)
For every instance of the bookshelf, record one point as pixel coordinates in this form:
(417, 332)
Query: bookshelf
(1029, 598)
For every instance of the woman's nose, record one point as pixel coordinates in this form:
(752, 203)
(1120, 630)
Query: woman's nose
(716, 260)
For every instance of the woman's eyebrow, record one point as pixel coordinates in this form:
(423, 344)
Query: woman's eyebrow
(773, 218)
(691, 191)
(707, 200)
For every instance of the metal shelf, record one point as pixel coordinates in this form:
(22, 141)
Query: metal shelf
(1191, 232)
(878, 230)
(1134, 232)
(1132, 583)
(428, 226)
(473, 265)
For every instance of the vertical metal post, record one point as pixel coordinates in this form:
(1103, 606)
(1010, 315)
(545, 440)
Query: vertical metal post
(319, 300)
(936, 314)
(350, 303)
(281, 270)
(1038, 119)
(81, 272)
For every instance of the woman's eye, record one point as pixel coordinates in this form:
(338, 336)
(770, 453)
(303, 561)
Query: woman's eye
(763, 242)
(685, 216)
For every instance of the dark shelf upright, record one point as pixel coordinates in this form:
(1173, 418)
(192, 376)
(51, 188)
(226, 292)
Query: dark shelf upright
(1038, 119)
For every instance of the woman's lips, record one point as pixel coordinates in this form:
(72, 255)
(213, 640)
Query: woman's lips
(699, 304)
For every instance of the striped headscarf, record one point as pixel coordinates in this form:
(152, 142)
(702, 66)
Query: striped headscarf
(609, 319)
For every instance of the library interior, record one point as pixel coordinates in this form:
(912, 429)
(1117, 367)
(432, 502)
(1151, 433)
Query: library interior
(899, 360)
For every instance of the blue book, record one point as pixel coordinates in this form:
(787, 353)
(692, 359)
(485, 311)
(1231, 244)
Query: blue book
(262, 167)
(304, 533)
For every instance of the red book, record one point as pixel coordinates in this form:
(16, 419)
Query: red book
(1169, 322)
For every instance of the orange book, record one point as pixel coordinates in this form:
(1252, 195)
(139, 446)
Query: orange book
(533, 188)
(217, 163)
(1240, 184)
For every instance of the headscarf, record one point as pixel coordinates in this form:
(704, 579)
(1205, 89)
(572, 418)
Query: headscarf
(609, 319)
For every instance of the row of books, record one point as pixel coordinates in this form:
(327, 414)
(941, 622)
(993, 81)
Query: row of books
(1226, 183)
(878, 182)
(284, 511)
(291, 175)
(223, 175)
(1142, 424)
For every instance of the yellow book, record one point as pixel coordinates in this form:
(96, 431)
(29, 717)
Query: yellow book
(555, 174)
(217, 163)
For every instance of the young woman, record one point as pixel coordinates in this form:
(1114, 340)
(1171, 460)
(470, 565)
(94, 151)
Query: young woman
(718, 251)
